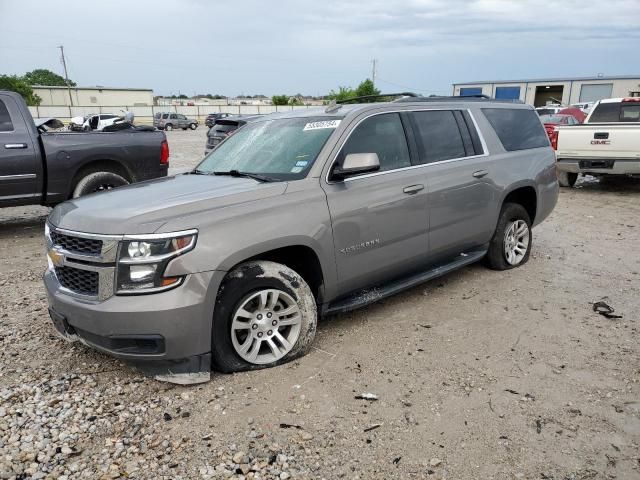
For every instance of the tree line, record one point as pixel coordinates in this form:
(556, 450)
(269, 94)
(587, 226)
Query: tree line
(23, 84)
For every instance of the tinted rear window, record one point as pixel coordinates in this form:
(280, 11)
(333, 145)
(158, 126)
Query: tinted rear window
(218, 127)
(606, 112)
(439, 135)
(517, 129)
(5, 119)
(630, 112)
(165, 115)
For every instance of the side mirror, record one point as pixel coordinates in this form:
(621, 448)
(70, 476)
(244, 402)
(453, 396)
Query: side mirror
(356, 163)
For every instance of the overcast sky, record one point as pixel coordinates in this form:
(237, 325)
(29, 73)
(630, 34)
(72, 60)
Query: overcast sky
(299, 46)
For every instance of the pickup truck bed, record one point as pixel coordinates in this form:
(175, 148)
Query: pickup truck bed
(39, 167)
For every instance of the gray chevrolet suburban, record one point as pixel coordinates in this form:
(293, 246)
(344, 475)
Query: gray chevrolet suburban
(295, 216)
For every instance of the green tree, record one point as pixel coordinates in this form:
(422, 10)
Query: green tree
(365, 88)
(18, 85)
(295, 101)
(42, 76)
(280, 100)
(343, 93)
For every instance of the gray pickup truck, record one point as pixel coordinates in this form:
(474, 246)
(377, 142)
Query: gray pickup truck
(297, 215)
(40, 167)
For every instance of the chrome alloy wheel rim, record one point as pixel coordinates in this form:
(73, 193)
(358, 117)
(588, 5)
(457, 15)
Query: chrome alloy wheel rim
(265, 326)
(516, 242)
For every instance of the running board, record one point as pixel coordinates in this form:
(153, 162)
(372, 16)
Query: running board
(367, 296)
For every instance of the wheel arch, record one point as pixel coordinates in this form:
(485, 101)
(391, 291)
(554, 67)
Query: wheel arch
(524, 194)
(100, 165)
(301, 257)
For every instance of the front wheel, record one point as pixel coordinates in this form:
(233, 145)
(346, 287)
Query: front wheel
(511, 243)
(265, 315)
(193, 126)
(98, 182)
(567, 179)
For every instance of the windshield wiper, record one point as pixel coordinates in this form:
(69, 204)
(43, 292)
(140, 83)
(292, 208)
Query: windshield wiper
(197, 172)
(255, 176)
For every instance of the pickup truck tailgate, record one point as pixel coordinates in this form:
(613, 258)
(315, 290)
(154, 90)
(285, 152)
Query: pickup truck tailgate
(599, 141)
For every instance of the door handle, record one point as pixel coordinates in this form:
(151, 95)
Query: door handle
(480, 173)
(11, 146)
(412, 189)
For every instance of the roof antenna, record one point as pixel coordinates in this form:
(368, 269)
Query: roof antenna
(332, 107)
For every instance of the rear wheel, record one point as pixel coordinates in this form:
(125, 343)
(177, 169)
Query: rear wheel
(97, 182)
(567, 179)
(511, 243)
(265, 315)
(168, 127)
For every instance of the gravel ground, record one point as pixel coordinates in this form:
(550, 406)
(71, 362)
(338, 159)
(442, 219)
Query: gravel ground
(477, 375)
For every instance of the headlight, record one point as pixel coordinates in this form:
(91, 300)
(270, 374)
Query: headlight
(143, 260)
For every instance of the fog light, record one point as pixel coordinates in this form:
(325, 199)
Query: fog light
(139, 249)
(142, 273)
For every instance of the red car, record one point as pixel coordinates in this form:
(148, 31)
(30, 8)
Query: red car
(552, 121)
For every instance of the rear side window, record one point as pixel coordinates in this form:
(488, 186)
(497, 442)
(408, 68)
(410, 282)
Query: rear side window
(5, 119)
(165, 116)
(381, 134)
(630, 112)
(606, 112)
(439, 135)
(517, 129)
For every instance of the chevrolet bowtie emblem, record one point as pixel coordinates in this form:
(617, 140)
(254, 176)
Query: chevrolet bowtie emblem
(56, 257)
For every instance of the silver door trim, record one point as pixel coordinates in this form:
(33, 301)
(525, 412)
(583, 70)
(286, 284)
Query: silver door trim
(17, 177)
(412, 167)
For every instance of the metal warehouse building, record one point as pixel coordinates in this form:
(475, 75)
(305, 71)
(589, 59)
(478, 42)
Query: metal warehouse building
(98, 96)
(566, 91)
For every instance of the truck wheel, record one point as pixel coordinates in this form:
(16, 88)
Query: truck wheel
(193, 126)
(168, 127)
(567, 179)
(98, 182)
(265, 315)
(511, 243)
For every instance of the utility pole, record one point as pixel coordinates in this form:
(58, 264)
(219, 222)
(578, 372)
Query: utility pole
(373, 71)
(66, 75)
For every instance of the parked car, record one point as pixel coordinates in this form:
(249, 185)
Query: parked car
(224, 128)
(212, 117)
(550, 122)
(584, 106)
(549, 109)
(40, 167)
(608, 143)
(297, 215)
(93, 122)
(169, 121)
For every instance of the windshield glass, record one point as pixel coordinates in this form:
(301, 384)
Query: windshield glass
(282, 149)
(554, 118)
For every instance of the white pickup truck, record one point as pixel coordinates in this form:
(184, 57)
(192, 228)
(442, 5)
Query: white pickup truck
(607, 143)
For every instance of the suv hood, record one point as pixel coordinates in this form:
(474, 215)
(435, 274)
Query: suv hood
(144, 207)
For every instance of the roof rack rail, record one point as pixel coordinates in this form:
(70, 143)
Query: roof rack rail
(382, 95)
(465, 98)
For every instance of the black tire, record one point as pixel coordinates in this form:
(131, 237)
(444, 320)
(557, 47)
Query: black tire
(184, 128)
(240, 283)
(168, 127)
(193, 126)
(567, 179)
(496, 258)
(94, 182)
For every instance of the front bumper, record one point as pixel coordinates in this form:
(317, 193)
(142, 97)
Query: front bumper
(161, 333)
(605, 166)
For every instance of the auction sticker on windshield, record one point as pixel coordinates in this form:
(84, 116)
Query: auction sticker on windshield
(322, 124)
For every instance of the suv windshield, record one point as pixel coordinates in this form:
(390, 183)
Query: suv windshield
(282, 149)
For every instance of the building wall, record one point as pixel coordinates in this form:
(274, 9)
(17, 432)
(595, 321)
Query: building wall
(571, 90)
(94, 97)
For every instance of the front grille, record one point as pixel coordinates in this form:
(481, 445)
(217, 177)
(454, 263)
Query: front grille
(84, 282)
(86, 246)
